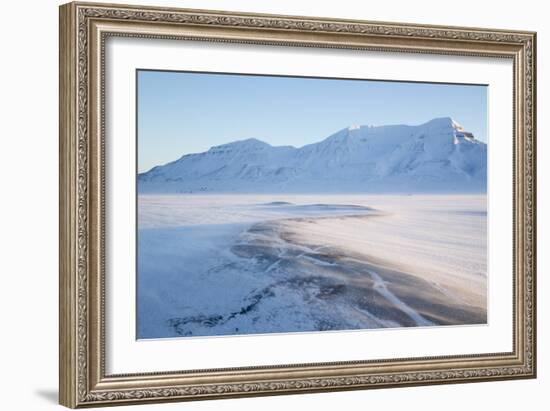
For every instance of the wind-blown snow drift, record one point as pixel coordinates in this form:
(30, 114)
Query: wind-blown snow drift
(438, 156)
(228, 264)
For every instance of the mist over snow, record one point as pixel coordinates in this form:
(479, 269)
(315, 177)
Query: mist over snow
(439, 156)
(228, 264)
(319, 238)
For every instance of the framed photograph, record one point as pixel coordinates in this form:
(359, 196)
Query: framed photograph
(260, 204)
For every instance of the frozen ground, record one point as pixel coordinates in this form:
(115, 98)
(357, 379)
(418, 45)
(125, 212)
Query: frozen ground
(247, 264)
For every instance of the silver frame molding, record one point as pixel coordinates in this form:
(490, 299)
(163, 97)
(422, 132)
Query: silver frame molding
(84, 27)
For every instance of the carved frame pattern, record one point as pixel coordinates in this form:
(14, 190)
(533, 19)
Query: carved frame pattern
(82, 378)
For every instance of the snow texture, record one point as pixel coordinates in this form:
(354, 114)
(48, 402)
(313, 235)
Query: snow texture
(212, 265)
(436, 157)
(372, 227)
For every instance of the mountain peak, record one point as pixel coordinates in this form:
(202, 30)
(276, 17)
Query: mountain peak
(443, 122)
(437, 156)
(249, 143)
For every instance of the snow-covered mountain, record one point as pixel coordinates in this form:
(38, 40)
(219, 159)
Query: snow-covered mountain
(438, 156)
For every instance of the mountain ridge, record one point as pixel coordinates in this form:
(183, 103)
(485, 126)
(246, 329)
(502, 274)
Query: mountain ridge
(436, 156)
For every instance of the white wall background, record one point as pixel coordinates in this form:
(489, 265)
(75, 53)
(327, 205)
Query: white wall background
(28, 205)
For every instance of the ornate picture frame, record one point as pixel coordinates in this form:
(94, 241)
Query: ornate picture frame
(84, 30)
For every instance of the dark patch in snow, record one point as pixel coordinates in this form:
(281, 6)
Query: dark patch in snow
(180, 324)
(277, 203)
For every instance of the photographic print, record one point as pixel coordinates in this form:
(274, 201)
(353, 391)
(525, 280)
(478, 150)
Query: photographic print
(282, 187)
(283, 204)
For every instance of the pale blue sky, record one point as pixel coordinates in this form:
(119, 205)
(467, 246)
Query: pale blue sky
(181, 113)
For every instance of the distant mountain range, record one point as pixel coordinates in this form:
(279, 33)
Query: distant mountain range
(438, 156)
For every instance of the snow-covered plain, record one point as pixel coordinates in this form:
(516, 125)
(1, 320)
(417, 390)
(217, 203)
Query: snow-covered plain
(216, 264)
